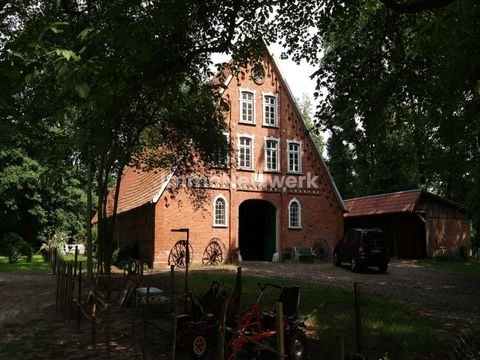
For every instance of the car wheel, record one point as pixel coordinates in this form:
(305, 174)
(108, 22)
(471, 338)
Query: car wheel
(297, 345)
(383, 268)
(199, 346)
(354, 265)
(336, 259)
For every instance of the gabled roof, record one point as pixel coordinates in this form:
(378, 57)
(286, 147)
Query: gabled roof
(342, 204)
(398, 202)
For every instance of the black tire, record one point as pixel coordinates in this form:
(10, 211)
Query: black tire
(297, 345)
(199, 346)
(383, 268)
(336, 259)
(354, 265)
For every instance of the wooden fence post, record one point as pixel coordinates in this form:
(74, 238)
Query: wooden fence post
(340, 348)
(358, 316)
(79, 299)
(280, 332)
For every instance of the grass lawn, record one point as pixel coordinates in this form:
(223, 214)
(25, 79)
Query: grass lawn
(471, 267)
(388, 326)
(36, 266)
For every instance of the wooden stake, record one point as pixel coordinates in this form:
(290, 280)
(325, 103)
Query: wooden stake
(280, 333)
(358, 316)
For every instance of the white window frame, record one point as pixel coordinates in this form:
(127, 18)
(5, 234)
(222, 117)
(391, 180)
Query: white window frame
(225, 203)
(277, 141)
(290, 168)
(241, 101)
(275, 112)
(252, 151)
(290, 225)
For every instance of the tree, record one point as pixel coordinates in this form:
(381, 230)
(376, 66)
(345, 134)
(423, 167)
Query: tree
(401, 80)
(306, 107)
(123, 68)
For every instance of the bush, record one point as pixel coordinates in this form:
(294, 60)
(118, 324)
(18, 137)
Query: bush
(13, 247)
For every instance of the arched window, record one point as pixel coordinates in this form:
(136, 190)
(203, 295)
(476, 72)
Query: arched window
(294, 214)
(220, 211)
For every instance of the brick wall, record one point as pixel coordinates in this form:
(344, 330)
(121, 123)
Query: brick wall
(322, 214)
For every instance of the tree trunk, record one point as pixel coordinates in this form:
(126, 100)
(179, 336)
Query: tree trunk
(89, 221)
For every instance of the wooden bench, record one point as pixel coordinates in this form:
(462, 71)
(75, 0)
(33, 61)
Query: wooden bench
(304, 254)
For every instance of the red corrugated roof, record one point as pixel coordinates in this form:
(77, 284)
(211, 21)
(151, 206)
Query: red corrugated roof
(403, 201)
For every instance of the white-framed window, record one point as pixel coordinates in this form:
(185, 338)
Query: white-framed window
(294, 153)
(294, 214)
(245, 152)
(270, 117)
(220, 211)
(272, 154)
(247, 106)
(270, 106)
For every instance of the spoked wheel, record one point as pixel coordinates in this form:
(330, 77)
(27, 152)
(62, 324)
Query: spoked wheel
(214, 253)
(297, 345)
(178, 254)
(199, 346)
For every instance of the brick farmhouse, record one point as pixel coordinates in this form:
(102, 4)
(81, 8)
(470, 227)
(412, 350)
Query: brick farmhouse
(275, 195)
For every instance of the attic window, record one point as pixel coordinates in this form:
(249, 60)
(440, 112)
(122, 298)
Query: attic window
(247, 107)
(270, 110)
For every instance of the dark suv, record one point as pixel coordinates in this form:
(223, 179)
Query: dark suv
(363, 248)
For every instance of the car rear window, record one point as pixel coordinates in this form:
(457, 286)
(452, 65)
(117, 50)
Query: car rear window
(373, 239)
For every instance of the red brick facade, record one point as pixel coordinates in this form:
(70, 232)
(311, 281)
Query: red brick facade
(299, 174)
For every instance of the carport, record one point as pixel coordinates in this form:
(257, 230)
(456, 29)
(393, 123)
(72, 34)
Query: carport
(416, 223)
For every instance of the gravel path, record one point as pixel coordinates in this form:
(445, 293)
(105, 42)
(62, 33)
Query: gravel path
(449, 295)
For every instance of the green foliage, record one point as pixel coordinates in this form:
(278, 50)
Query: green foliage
(13, 246)
(398, 90)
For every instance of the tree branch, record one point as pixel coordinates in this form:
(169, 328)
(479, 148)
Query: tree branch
(415, 6)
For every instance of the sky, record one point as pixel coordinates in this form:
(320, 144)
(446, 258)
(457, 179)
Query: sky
(297, 76)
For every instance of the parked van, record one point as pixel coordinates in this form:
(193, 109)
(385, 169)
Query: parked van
(363, 248)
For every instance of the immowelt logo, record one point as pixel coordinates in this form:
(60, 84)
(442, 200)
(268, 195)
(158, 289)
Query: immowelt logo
(307, 181)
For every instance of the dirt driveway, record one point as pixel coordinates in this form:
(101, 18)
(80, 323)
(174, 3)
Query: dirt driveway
(448, 295)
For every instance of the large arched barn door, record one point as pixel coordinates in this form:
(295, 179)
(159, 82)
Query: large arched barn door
(257, 230)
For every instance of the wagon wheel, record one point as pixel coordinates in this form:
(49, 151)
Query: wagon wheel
(321, 249)
(178, 254)
(214, 252)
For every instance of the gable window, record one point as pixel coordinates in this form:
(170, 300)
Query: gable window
(245, 152)
(294, 156)
(247, 107)
(270, 110)
(220, 211)
(271, 155)
(294, 214)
